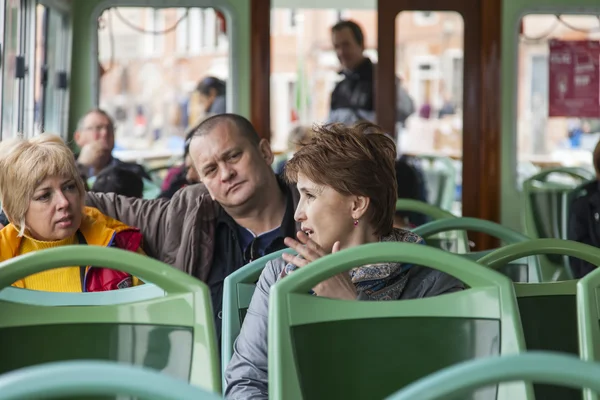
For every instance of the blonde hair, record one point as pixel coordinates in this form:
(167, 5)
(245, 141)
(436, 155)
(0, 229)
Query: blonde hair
(25, 164)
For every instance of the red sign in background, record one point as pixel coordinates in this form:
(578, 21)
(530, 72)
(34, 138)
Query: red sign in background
(574, 73)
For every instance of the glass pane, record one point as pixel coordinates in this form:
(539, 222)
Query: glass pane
(304, 65)
(566, 136)
(40, 61)
(10, 86)
(151, 62)
(429, 65)
(54, 97)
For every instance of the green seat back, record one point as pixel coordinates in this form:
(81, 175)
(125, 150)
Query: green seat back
(544, 203)
(440, 179)
(95, 378)
(36, 297)
(457, 381)
(238, 289)
(326, 348)
(518, 270)
(454, 242)
(548, 310)
(173, 333)
(588, 315)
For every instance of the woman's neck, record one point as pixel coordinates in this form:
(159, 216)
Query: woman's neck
(360, 236)
(45, 244)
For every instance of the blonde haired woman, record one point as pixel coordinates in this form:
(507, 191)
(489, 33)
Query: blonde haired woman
(42, 195)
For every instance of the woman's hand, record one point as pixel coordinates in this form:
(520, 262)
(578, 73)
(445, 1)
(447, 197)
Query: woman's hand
(337, 287)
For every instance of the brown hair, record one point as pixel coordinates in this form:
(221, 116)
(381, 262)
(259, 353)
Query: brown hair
(353, 160)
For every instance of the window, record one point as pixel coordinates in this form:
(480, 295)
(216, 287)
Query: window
(154, 24)
(12, 88)
(425, 18)
(153, 99)
(545, 139)
(50, 99)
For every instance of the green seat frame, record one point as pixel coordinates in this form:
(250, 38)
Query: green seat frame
(503, 233)
(163, 329)
(238, 289)
(368, 349)
(543, 367)
(548, 309)
(462, 243)
(95, 378)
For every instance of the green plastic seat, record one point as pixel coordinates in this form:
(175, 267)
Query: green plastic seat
(455, 242)
(95, 378)
(544, 204)
(527, 270)
(36, 297)
(326, 348)
(548, 310)
(238, 289)
(440, 178)
(174, 333)
(544, 367)
(588, 316)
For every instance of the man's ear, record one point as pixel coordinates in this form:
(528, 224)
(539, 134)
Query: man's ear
(265, 150)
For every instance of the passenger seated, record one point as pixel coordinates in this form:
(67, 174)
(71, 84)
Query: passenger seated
(347, 185)
(183, 175)
(42, 194)
(119, 180)
(95, 136)
(584, 219)
(297, 138)
(408, 188)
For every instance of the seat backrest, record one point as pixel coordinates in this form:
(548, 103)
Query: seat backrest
(36, 297)
(238, 289)
(455, 242)
(588, 317)
(326, 348)
(95, 378)
(173, 333)
(548, 310)
(440, 177)
(519, 271)
(457, 381)
(544, 204)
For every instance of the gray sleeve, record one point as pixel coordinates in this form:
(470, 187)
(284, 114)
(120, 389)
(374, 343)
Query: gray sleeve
(246, 374)
(427, 282)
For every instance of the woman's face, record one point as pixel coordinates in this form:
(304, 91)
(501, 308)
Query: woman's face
(325, 214)
(55, 210)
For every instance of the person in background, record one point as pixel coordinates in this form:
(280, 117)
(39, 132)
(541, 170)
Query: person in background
(42, 194)
(347, 184)
(409, 187)
(352, 98)
(95, 136)
(119, 180)
(212, 95)
(182, 175)
(584, 219)
(297, 138)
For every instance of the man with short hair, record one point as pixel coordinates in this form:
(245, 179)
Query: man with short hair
(352, 99)
(239, 213)
(95, 136)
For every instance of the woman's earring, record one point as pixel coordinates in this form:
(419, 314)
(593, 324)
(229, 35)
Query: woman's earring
(355, 222)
